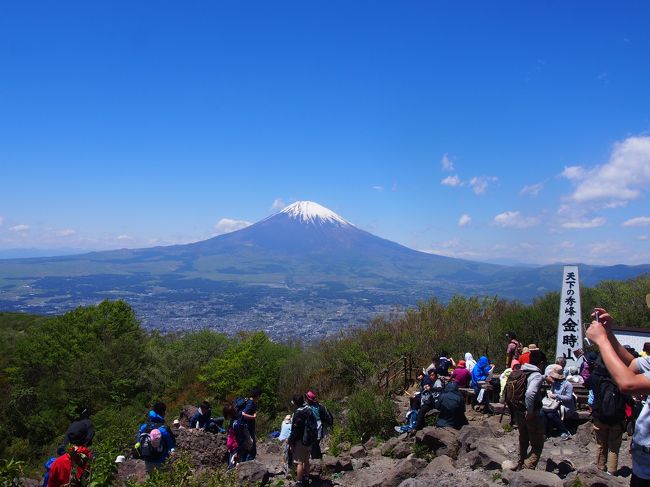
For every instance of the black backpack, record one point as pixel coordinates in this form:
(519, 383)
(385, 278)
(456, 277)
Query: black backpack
(443, 367)
(310, 433)
(609, 403)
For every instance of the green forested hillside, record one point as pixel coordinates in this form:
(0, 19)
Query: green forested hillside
(99, 357)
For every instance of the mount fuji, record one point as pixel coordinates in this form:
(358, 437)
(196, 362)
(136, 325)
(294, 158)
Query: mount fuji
(303, 266)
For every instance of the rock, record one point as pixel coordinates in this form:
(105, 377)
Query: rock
(469, 436)
(509, 465)
(387, 448)
(584, 435)
(131, 469)
(358, 463)
(344, 446)
(561, 468)
(487, 455)
(441, 441)
(205, 449)
(531, 478)
(337, 464)
(252, 472)
(403, 470)
(186, 414)
(358, 451)
(370, 444)
(401, 450)
(438, 465)
(592, 477)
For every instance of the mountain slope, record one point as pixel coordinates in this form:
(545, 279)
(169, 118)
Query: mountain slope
(303, 262)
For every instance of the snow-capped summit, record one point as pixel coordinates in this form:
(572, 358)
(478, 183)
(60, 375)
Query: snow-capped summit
(310, 212)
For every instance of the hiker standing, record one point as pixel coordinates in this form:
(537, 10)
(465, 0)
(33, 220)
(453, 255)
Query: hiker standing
(72, 467)
(324, 421)
(155, 442)
(248, 417)
(523, 396)
(514, 348)
(608, 417)
(303, 435)
(632, 376)
(81, 423)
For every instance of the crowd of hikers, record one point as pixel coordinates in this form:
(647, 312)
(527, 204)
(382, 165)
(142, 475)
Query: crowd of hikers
(300, 433)
(539, 396)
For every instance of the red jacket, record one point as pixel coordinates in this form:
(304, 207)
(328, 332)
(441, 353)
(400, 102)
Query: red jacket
(62, 467)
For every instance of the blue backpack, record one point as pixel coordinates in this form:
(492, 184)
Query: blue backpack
(48, 465)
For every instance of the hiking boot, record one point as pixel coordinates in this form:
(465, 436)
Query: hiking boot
(565, 436)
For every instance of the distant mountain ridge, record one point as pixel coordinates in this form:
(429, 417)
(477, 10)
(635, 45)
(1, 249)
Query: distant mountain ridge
(305, 254)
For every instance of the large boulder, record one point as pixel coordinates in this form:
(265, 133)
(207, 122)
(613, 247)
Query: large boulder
(439, 465)
(469, 436)
(404, 469)
(584, 435)
(401, 450)
(252, 473)
(389, 445)
(488, 455)
(358, 451)
(205, 449)
(592, 477)
(531, 478)
(332, 464)
(441, 441)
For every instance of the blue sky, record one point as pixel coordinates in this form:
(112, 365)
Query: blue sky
(515, 131)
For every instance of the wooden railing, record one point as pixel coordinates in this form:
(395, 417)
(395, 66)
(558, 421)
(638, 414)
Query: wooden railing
(398, 375)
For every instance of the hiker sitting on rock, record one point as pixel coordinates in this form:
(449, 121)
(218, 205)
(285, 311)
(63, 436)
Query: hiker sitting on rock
(560, 400)
(201, 418)
(451, 405)
(461, 375)
(432, 390)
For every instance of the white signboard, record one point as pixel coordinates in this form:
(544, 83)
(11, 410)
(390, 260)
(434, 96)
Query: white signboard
(569, 328)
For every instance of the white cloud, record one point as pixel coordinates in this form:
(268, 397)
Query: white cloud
(573, 173)
(19, 228)
(595, 222)
(447, 163)
(480, 184)
(639, 221)
(378, 188)
(227, 225)
(514, 219)
(531, 190)
(623, 178)
(278, 204)
(452, 181)
(124, 238)
(66, 232)
(643, 237)
(464, 220)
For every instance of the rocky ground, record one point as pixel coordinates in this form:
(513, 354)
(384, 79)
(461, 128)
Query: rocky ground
(481, 454)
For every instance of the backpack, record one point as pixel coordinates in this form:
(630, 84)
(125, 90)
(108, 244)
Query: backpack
(239, 404)
(609, 404)
(325, 416)
(48, 466)
(443, 367)
(150, 445)
(519, 348)
(515, 390)
(310, 432)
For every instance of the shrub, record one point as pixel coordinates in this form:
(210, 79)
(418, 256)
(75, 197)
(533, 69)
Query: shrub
(370, 415)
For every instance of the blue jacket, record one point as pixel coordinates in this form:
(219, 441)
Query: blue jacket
(168, 440)
(480, 371)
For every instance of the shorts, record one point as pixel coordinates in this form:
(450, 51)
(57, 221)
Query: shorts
(301, 453)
